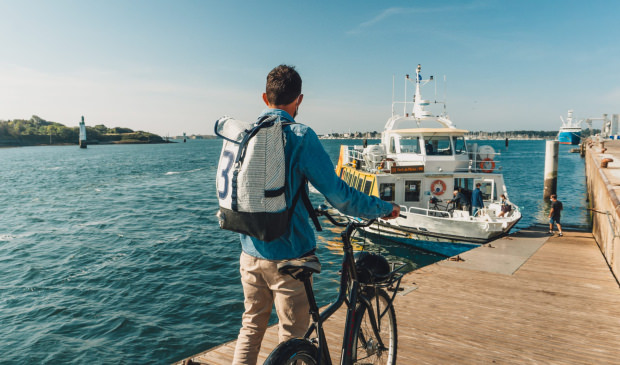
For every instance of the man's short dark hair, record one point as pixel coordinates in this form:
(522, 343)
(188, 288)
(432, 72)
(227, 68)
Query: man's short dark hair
(283, 85)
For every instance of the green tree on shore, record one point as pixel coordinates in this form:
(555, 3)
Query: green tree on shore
(36, 131)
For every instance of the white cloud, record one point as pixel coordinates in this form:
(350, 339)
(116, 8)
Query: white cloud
(400, 11)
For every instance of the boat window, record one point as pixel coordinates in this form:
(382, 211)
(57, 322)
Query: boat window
(464, 183)
(386, 192)
(410, 145)
(367, 186)
(488, 193)
(438, 145)
(412, 190)
(392, 145)
(460, 148)
(360, 183)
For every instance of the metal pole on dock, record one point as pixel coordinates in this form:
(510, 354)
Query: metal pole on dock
(551, 169)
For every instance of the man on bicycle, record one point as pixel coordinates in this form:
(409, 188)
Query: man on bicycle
(263, 285)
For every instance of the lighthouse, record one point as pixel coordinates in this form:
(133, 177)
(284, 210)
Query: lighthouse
(82, 134)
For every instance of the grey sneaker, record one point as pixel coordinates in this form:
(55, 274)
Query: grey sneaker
(560, 234)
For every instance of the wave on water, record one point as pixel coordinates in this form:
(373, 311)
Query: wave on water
(183, 172)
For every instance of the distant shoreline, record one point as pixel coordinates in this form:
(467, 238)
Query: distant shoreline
(77, 145)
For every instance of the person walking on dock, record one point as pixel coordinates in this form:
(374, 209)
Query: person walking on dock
(263, 285)
(554, 214)
(476, 199)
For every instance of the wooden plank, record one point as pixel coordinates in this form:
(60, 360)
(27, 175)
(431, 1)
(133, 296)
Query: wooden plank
(562, 306)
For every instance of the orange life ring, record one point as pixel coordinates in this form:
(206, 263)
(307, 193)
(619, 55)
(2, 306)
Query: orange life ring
(383, 163)
(486, 163)
(438, 187)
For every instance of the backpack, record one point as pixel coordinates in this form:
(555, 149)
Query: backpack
(251, 178)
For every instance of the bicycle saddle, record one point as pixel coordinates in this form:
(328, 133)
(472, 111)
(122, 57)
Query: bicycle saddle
(294, 267)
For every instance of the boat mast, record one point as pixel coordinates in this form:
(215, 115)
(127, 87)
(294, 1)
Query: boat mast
(418, 102)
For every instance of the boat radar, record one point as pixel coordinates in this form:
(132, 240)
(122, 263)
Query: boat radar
(418, 114)
(82, 142)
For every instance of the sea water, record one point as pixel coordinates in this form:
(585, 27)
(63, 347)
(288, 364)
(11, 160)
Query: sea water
(112, 254)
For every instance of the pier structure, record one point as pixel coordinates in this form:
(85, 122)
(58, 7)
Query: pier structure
(603, 192)
(551, 169)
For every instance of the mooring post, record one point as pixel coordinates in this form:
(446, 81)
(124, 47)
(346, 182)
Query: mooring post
(551, 169)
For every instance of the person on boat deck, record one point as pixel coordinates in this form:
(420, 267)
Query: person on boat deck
(429, 148)
(460, 200)
(476, 199)
(263, 285)
(554, 214)
(506, 206)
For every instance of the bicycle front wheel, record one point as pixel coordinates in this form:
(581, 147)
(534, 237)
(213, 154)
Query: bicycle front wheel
(367, 348)
(294, 352)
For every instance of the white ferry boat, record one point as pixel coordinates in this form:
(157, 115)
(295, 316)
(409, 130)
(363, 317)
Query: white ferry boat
(421, 159)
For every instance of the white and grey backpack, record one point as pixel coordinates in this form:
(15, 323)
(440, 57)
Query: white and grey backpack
(251, 178)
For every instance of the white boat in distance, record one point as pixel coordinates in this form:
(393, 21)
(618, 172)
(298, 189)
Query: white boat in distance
(421, 159)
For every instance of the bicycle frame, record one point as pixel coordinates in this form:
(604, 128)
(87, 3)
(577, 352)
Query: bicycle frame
(348, 271)
(348, 283)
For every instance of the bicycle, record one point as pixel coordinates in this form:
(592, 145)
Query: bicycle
(370, 335)
(440, 210)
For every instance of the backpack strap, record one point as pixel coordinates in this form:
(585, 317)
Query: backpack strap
(217, 122)
(264, 121)
(301, 192)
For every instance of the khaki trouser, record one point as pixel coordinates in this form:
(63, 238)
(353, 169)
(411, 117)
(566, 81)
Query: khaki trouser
(263, 286)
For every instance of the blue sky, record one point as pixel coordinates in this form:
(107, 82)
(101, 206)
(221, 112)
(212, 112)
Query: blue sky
(170, 67)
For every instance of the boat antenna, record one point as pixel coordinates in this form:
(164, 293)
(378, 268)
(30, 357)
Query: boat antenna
(445, 93)
(393, 76)
(405, 103)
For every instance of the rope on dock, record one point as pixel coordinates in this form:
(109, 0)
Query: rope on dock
(610, 217)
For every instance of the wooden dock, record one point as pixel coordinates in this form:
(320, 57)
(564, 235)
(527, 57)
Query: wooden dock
(525, 299)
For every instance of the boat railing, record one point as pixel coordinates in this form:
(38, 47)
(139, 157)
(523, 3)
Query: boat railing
(403, 104)
(491, 211)
(429, 212)
(486, 164)
(355, 153)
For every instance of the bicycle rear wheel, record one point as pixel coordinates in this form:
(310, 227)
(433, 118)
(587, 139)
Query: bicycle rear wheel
(367, 349)
(293, 352)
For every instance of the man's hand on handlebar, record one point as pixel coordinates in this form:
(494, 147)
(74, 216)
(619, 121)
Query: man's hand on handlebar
(395, 212)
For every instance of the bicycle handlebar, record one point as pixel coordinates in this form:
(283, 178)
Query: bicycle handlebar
(321, 210)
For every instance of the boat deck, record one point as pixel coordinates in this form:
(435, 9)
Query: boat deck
(523, 299)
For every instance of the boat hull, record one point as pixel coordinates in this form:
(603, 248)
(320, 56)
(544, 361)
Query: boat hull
(453, 229)
(572, 138)
(445, 236)
(435, 245)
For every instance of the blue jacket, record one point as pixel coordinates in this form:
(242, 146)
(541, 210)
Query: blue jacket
(476, 199)
(306, 158)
